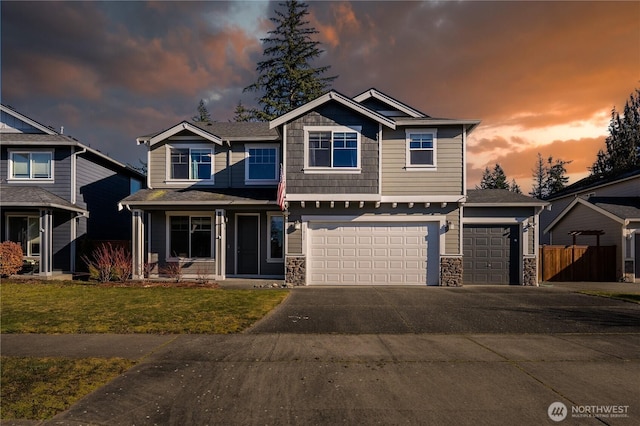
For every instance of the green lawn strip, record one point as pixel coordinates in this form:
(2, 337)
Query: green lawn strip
(628, 297)
(66, 307)
(40, 388)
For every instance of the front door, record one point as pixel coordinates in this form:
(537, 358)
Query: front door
(247, 238)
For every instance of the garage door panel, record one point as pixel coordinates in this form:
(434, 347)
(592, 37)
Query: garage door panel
(487, 254)
(374, 253)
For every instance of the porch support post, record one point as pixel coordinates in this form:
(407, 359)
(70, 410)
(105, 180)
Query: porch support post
(46, 243)
(221, 243)
(137, 244)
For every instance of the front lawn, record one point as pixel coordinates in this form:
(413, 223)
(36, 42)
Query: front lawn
(628, 297)
(70, 307)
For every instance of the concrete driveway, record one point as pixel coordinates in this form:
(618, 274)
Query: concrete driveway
(471, 309)
(377, 356)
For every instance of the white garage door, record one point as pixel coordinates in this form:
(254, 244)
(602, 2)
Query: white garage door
(373, 253)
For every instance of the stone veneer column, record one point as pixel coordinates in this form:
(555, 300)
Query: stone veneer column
(530, 271)
(451, 271)
(296, 270)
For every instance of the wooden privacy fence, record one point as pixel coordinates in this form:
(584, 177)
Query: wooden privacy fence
(577, 263)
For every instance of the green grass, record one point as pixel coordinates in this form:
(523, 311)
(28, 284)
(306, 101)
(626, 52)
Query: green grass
(628, 297)
(39, 388)
(69, 307)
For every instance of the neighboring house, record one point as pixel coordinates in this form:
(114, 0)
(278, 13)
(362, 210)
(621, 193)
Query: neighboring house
(605, 221)
(56, 193)
(373, 191)
(606, 212)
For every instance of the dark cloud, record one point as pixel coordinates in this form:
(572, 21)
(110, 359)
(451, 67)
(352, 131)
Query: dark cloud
(111, 71)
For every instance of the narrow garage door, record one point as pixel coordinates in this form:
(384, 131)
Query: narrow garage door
(373, 253)
(490, 254)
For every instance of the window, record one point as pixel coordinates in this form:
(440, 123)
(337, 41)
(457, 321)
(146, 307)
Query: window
(421, 148)
(190, 236)
(275, 248)
(25, 230)
(332, 148)
(261, 164)
(191, 164)
(31, 165)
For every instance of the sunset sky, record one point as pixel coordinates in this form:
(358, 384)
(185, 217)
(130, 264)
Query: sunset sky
(542, 76)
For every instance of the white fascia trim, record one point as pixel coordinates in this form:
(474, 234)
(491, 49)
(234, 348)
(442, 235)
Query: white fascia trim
(184, 126)
(335, 96)
(540, 204)
(373, 93)
(441, 219)
(28, 120)
(333, 197)
(586, 204)
(494, 220)
(423, 198)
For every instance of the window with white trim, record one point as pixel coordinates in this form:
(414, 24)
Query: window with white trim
(275, 233)
(31, 165)
(262, 163)
(191, 164)
(190, 236)
(329, 148)
(421, 148)
(25, 230)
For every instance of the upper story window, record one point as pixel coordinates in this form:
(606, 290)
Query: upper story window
(262, 164)
(191, 164)
(421, 148)
(332, 149)
(34, 165)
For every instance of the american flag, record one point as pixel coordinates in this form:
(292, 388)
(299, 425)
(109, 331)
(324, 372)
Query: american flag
(282, 186)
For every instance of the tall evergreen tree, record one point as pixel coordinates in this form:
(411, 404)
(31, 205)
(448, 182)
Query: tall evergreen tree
(286, 78)
(623, 143)
(538, 189)
(549, 177)
(203, 115)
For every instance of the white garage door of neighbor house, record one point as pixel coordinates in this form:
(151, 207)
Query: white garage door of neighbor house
(373, 253)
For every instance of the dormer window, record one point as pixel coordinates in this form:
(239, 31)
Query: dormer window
(189, 164)
(421, 148)
(35, 165)
(332, 149)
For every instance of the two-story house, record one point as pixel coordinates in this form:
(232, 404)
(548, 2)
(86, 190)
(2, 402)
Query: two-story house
(56, 193)
(373, 191)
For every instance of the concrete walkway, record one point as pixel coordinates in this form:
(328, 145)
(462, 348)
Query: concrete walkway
(301, 378)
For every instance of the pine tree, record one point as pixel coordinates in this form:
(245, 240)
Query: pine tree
(242, 113)
(286, 78)
(549, 177)
(203, 115)
(495, 179)
(623, 143)
(514, 187)
(538, 189)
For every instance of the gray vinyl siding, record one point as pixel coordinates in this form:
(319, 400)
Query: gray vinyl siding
(330, 114)
(99, 189)
(60, 242)
(61, 184)
(445, 180)
(229, 164)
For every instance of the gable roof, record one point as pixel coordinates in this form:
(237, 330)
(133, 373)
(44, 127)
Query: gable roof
(242, 131)
(593, 182)
(35, 197)
(201, 196)
(174, 130)
(500, 197)
(336, 97)
(33, 123)
(388, 100)
(620, 209)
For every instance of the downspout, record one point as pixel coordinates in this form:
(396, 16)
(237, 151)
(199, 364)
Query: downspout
(229, 174)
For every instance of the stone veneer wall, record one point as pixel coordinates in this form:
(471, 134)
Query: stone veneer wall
(530, 271)
(451, 271)
(296, 270)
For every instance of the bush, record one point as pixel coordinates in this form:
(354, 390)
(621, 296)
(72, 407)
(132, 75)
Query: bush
(109, 262)
(10, 258)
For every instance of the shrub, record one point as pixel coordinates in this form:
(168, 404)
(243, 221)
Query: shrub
(109, 262)
(174, 271)
(10, 258)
